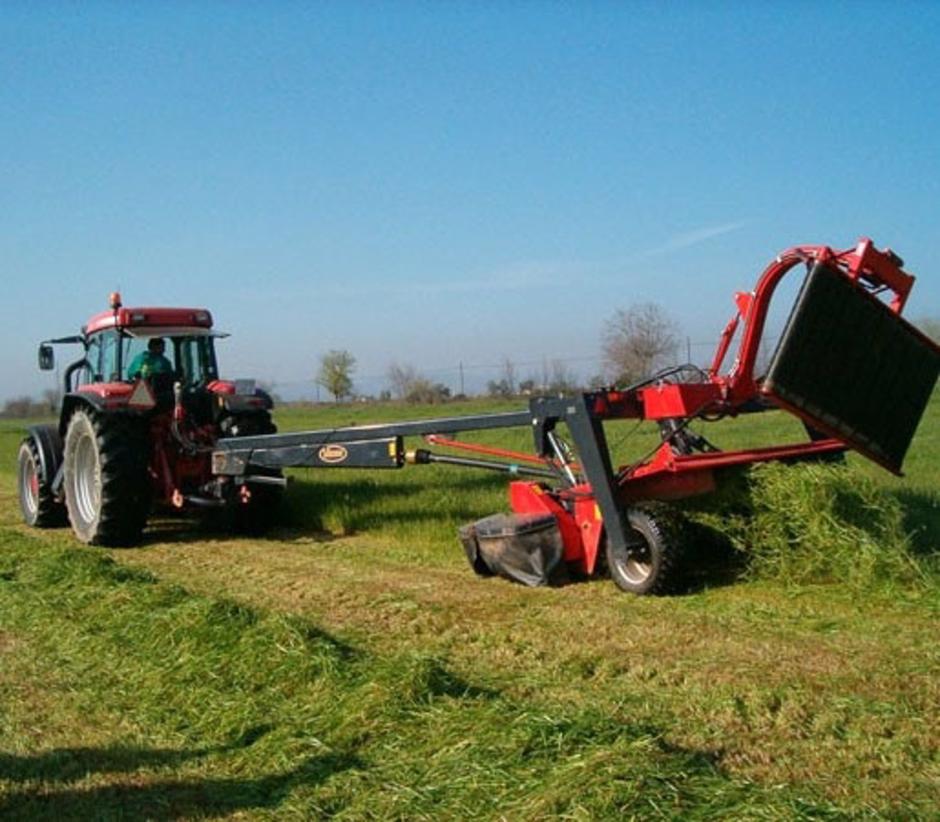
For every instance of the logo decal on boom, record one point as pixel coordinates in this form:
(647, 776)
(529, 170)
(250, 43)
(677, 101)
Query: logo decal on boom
(333, 454)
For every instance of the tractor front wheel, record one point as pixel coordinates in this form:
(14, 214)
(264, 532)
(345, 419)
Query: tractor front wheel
(107, 488)
(39, 505)
(650, 564)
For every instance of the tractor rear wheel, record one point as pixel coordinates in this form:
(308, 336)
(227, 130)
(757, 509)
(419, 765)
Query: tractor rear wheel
(37, 502)
(107, 488)
(650, 565)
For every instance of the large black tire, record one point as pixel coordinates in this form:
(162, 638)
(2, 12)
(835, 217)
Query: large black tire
(107, 487)
(651, 565)
(39, 505)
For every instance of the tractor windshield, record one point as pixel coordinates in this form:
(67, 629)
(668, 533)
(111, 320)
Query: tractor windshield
(191, 357)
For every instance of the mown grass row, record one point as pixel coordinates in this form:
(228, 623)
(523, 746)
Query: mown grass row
(821, 524)
(216, 707)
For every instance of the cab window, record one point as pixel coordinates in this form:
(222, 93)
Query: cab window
(103, 358)
(195, 359)
(88, 374)
(109, 361)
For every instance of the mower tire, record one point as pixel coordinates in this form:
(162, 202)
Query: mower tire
(107, 486)
(34, 476)
(651, 564)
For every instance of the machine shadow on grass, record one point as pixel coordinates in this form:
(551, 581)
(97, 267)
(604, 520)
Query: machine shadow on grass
(324, 511)
(73, 764)
(366, 504)
(177, 798)
(709, 560)
(921, 521)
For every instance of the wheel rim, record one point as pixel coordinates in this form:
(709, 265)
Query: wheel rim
(87, 480)
(637, 566)
(29, 484)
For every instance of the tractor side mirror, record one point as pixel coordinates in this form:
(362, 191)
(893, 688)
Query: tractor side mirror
(46, 357)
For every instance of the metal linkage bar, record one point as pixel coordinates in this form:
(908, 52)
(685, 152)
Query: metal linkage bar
(232, 456)
(421, 456)
(584, 415)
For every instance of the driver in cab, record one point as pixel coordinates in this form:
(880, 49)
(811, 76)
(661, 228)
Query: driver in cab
(151, 362)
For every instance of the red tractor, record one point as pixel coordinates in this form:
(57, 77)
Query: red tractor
(130, 436)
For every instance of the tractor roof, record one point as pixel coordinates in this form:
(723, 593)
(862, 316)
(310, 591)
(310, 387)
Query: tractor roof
(175, 319)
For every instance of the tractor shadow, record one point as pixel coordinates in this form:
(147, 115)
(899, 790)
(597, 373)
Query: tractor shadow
(174, 798)
(74, 764)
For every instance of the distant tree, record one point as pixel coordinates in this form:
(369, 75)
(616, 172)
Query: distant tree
(423, 391)
(335, 374)
(401, 379)
(20, 407)
(561, 379)
(638, 341)
(505, 384)
(499, 388)
(508, 375)
(527, 386)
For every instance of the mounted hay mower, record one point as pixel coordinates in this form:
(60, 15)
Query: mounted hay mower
(848, 365)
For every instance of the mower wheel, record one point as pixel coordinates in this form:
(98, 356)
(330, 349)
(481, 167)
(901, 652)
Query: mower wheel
(651, 564)
(107, 487)
(39, 505)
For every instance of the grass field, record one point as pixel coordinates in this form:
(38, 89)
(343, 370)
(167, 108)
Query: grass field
(350, 665)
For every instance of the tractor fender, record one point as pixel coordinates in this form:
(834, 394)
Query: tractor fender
(76, 400)
(73, 401)
(96, 402)
(49, 444)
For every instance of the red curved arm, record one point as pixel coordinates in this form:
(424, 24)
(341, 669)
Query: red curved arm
(878, 270)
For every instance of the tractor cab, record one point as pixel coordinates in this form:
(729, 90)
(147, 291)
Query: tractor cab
(137, 426)
(116, 344)
(108, 375)
(116, 339)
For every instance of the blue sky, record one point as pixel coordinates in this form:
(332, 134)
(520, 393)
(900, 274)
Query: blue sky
(445, 182)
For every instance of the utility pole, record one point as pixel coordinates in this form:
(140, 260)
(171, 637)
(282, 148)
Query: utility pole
(460, 365)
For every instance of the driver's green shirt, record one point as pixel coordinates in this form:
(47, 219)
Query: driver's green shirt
(146, 364)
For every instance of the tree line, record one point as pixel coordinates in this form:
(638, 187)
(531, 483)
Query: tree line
(635, 342)
(24, 407)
